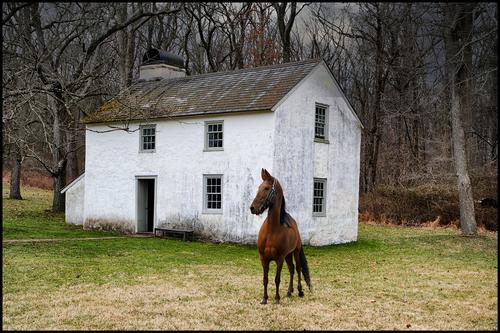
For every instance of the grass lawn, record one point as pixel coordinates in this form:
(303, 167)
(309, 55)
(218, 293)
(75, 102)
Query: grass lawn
(391, 278)
(31, 218)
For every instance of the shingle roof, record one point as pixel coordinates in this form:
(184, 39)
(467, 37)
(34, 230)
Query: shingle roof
(251, 89)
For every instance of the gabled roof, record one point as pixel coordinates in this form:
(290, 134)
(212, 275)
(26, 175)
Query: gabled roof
(251, 89)
(74, 182)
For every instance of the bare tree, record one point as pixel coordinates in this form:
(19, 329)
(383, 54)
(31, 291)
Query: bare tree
(262, 45)
(61, 45)
(286, 24)
(458, 20)
(209, 24)
(62, 60)
(13, 124)
(235, 29)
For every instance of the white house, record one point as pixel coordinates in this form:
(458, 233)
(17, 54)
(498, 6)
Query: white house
(193, 147)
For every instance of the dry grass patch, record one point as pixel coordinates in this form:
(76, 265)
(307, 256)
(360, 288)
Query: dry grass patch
(392, 277)
(217, 297)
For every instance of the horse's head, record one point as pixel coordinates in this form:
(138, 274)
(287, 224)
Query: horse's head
(266, 193)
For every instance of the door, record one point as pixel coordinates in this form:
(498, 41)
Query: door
(145, 204)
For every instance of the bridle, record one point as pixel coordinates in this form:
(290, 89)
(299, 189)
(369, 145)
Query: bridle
(270, 195)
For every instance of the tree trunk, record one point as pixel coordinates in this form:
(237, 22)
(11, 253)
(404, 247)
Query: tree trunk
(59, 200)
(464, 77)
(72, 137)
(285, 28)
(58, 156)
(375, 133)
(492, 114)
(467, 218)
(15, 176)
(126, 49)
(455, 70)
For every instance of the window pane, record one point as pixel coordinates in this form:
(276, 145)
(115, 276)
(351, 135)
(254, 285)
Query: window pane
(213, 193)
(214, 135)
(319, 196)
(148, 138)
(320, 122)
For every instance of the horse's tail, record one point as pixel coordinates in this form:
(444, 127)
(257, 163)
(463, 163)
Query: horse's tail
(305, 269)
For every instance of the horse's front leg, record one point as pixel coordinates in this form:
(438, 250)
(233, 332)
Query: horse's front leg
(291, 268)
(279, 265)
(265, 267)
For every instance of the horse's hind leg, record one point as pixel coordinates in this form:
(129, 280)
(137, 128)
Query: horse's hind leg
(291, 268)
(265, 266)
(298, 266)
(279, 266)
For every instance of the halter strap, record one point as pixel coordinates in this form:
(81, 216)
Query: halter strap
(270, 195)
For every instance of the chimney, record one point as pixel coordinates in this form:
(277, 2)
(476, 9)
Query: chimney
(158, 64)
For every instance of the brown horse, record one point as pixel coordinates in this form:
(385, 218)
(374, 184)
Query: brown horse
(279, 237)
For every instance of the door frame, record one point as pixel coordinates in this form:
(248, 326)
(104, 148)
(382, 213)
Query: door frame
(137, 178)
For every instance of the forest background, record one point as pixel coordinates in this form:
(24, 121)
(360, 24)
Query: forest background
(422, 77)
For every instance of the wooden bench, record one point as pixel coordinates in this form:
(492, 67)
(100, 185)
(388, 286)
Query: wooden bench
(186, 234)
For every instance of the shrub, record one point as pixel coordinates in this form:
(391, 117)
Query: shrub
(428, 204)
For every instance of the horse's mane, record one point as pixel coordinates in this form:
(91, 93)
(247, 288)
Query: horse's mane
(283, 213)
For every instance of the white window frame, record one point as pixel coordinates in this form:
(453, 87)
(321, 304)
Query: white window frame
(213, 122)
(141, 138)
(325, 130)
(205, 209)
(323, 206)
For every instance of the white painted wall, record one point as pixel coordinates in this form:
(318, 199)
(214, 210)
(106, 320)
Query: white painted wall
(280, 141)
(298, 159)
(75, 199)
(113, 161)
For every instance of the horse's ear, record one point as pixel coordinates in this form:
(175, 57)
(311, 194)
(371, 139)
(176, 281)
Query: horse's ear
(265, 175)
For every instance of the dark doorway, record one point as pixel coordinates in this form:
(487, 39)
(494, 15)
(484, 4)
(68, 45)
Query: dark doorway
(145, 204)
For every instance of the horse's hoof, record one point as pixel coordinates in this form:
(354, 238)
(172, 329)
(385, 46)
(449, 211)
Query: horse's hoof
(289, 294)
(264, 301)
(301, 294)
(276, 301)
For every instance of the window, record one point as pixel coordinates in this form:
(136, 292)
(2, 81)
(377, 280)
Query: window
(214, 135)
(212, 193)
(148, 138)
(321, 123)
(319, 197)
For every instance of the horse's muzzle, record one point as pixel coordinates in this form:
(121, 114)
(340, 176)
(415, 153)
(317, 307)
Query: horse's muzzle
(254, 210)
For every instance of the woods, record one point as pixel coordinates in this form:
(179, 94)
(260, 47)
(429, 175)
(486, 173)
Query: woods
(422, 77)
